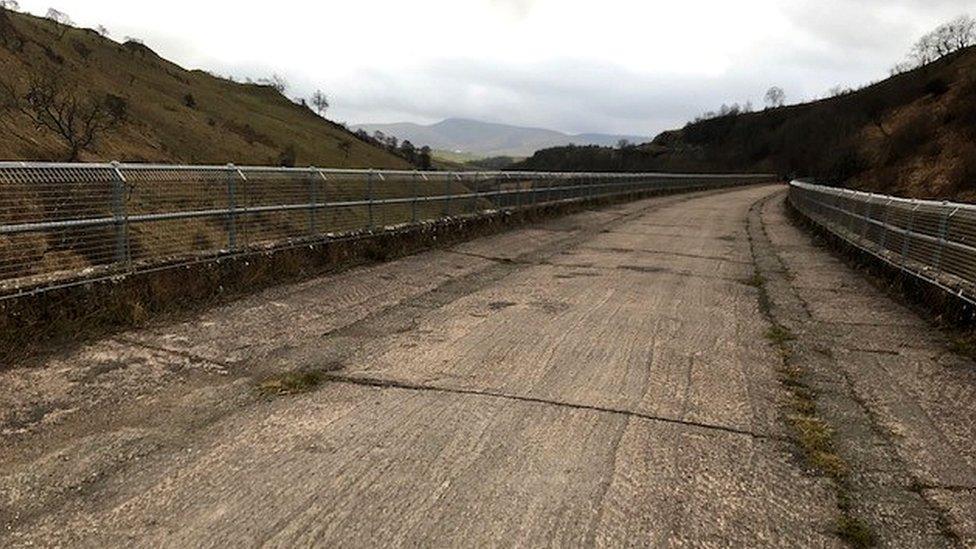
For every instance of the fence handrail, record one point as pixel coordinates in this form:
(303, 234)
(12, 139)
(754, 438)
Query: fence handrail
(112, 219)
(928, 239)
(365, 171)
(879, 196)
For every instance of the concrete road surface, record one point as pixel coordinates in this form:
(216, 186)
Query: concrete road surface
(599, 379)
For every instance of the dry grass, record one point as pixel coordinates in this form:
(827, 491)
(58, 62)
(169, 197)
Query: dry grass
(779, 335)
(756, 280)
(227, 122)
(856, 532)
(291, 383)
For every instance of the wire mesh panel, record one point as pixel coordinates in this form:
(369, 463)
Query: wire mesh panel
(935, 241)
(65, 223)
(56, 220)
(173, 211)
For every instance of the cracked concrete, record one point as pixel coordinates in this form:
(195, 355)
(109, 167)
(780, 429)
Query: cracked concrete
(583, 381)
(385, 383)
(876, 369)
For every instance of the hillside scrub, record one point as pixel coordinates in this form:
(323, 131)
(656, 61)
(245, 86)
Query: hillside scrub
(173, 115)
(909, 135)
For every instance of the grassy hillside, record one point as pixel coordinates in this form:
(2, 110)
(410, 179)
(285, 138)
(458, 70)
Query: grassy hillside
(173, 114)
(912, 135)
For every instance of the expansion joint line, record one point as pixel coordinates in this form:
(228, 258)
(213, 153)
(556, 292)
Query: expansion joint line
(394, 384)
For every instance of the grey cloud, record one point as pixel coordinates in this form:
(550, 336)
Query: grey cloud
(825, 43)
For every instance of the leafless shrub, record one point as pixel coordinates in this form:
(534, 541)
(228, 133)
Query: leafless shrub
(320, 101)
(61, 19)
(55, 105)
(275, 81)
(775, 97)
(940, 42)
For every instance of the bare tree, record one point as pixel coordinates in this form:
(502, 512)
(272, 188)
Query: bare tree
(276, 81)
(102, 30)
(775, 97)
(901, 68)
(943, 40)
(61, 19)
(55, 105)
(320, 101)
(11, 5)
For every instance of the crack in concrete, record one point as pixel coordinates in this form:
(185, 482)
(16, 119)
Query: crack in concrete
(815, 320)
(394, 384)
(663, 252)
(804, 316)
(224, 366)
(947, 487)
(873, 351)
(658, 235)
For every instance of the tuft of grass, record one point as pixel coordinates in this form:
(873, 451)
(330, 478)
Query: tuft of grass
(779, 335)
(856, 532)
(756, 280)
(291, 383)
(965, 346)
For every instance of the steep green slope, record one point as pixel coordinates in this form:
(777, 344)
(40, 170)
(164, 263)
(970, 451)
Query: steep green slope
(173, 114)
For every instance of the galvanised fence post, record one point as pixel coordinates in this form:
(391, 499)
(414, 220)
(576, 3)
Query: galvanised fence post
(120, 215)
(866, 215)
(943, 229)
(518, 192)
(908, 234)
(313, 199)
(473, 191)
(232, 175)
(322, 195)
(884, 224)
(447, 195)
(369, 199)
(416, 196)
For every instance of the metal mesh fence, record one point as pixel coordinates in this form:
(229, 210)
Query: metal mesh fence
(64, 223)
(935, 241)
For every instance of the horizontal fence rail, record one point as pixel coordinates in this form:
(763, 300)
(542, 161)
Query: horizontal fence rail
(61, 223)
(934, 241)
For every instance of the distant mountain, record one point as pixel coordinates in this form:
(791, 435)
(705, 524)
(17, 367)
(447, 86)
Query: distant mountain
(488, 139)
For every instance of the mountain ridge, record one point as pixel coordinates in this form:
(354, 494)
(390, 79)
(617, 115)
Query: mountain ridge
(489, 138)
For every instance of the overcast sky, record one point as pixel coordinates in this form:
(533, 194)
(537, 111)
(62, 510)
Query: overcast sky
(612, 66)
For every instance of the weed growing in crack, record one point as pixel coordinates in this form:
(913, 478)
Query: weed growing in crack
(291, 383)
(856, 532)
(779, 335)
(813, 436)
(756, 281)
(963, 346)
